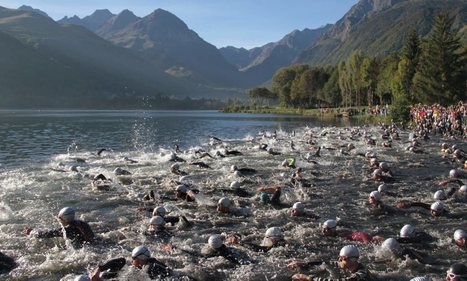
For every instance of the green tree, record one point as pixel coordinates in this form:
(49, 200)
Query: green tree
(369, 76)
(406, 68)
(354, 64)
(384, 88)
(440, 76)
(330, 93)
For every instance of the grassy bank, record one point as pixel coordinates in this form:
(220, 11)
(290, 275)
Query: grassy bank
(333, 112)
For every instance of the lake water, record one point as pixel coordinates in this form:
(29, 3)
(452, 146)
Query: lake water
(35, 145)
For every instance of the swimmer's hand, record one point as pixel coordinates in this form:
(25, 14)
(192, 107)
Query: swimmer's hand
(27, 230)
(95, 275)
(302, 277)
(403, 205)
(297, 264)
(231, 240)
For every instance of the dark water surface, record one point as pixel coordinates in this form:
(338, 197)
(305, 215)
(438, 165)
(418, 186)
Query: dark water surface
(36, 145)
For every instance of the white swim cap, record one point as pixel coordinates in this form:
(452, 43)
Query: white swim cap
(235, 185)
(67, 214)
(299, 206)
(437, 206)
(421, 278)
(382, 188)
(407, 231)
(391, 244)
(233, 168)
(378, 172)
(350, 251)
(330, 224)
(184, 178)
(463, 188)
(82, 278)
(224, 201)
(383, 166)
(175, 166)
(157, 221)
(457, 152)
(269, 149)
(141, 253)
(373, 160)
(453, 173)
(275, 232)
(215, 241)
(460, 233)
(159, 211)
(440, 195)
(376, 194)
(237, 174)
(284, 163)
(182, 188)
(454, 147)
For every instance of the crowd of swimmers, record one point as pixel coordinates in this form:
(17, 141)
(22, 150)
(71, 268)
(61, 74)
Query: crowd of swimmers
(78, 233)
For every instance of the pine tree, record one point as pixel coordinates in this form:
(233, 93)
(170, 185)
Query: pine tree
(440, 76)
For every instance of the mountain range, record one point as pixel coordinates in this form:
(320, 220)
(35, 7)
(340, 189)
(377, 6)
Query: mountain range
(112, 58)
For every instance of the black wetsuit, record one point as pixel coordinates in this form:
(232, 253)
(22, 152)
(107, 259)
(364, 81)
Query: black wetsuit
(155, 269)
(79, 233)
(229, 254)
(6, 263)
(419, 237)
(264, 249)
(443, 213)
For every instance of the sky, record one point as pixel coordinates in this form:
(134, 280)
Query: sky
(238, 23)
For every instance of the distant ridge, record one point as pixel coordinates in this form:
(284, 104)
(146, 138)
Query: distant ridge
(378, 27)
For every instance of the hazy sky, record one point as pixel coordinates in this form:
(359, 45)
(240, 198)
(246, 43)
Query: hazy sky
(239, 23)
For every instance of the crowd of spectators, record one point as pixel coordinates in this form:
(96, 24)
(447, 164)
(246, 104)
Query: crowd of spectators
(437, 119)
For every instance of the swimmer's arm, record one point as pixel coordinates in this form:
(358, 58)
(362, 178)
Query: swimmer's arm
(44, 233)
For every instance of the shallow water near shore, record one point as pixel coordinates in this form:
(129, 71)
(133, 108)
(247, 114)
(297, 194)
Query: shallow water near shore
(33, 190)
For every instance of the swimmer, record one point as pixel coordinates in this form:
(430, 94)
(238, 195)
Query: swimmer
(226, 206)
(100, 182)
(289, 163)
(272, 152)
(217, 248)
(298, 210)
(78, 232)
(200, 164)
(233, 152)
(377, 207)
(264, 192)
(460, 238)
(175, 158)
(408, 234)
(175, 169)
(182, 192)
(272, 238)
(157, 229)
(457, 272)
(140, 259)
(393, 247)
(236, 189)
(437, 209)
(348, 260)
(7, 263)
(161, 211)
(329, 229)
(378, 175)
(242, 171)
(121, 172)
(383, 189)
